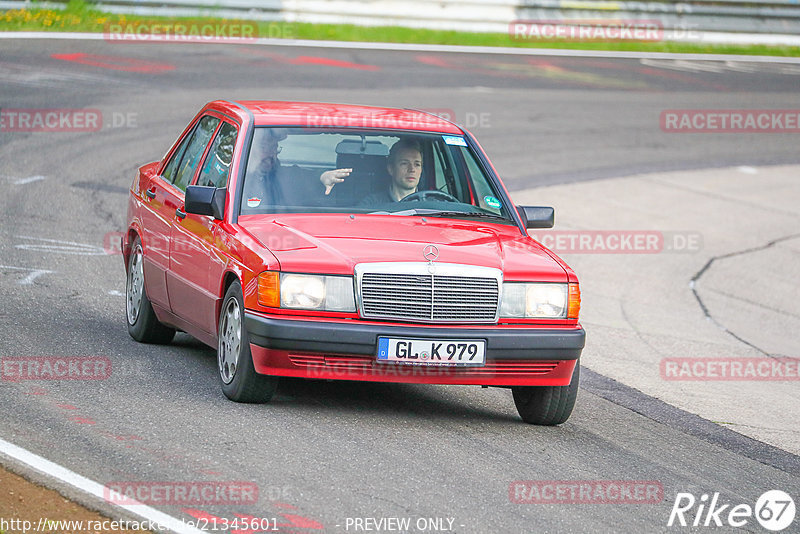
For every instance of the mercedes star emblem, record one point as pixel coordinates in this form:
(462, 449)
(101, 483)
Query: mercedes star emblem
(430, 252)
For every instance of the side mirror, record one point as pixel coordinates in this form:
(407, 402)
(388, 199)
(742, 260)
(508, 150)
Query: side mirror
(205, 200)
(537, 216)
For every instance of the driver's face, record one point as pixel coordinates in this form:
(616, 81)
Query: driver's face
(406, 169)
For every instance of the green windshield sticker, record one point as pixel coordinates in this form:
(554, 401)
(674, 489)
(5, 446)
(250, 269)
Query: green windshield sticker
(492, 202)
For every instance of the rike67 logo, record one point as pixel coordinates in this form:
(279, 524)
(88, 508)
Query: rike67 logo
(774, 510)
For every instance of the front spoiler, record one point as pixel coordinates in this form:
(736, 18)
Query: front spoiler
(346, 351)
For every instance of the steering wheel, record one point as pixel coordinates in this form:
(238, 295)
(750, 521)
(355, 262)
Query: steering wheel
(430, 195)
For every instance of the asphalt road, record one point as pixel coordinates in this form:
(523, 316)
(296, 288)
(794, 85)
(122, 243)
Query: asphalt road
(324, 453)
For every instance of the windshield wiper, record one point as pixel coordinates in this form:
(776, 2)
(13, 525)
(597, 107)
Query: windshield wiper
(403, 212)
(478, 214)
(427, 212)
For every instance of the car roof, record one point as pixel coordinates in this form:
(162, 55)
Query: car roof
(276, 113)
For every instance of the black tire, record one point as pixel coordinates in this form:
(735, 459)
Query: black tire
(239, 379)
(547, 405)
(143, 325)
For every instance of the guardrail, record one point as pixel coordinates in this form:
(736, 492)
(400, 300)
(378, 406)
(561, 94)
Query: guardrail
(738, 16)
(699, 16)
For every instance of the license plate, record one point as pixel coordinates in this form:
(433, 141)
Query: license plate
(432, 351)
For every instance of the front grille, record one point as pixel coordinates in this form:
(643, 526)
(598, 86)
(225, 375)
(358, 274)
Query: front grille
(429, 297)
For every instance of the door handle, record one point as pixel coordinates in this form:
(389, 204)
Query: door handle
(151, 192)
(180, 213)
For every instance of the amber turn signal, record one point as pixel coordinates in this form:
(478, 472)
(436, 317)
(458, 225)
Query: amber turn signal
(574, 308)
(269, 289)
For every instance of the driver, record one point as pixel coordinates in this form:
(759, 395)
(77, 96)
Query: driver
(404, 165)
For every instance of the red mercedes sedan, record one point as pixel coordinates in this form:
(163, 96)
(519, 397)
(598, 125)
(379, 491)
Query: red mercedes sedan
(346, 242)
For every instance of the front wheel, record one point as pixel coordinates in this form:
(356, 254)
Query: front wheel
(239, 379)
(547, 405)
(143, 325)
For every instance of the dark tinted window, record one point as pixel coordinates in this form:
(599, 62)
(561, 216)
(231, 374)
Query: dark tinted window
(169, 170)
(217, 165)
(181, 167)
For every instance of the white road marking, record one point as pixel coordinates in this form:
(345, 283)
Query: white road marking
(61, 247)
(740, 65)
(41, 76)
(28, 280)
(747, 170)
(29, 179)
(91, 487)
(684, 65)
(116, 293)
(307, 43)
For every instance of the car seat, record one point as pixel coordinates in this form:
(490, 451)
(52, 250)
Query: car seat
(368, 161)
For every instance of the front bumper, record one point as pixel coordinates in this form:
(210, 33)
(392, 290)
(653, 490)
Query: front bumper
(346, 351)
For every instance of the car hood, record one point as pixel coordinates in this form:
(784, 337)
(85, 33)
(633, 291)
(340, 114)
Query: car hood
(335, 243)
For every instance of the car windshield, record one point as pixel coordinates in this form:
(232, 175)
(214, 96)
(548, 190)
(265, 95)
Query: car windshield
(316, 170)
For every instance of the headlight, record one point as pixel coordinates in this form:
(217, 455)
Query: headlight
(306, 291)
(302, 291)
(534, 300)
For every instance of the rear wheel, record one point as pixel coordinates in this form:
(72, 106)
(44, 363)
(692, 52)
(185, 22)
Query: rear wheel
(143, 325)
(547, 405)
(240, 381)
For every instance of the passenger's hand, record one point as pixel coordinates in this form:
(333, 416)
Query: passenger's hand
(331, 178)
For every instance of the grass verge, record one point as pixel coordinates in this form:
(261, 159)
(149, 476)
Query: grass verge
(80, 16)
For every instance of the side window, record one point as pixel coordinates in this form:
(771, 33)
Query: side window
(177, 156)
(217, 165)
(180, 169)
